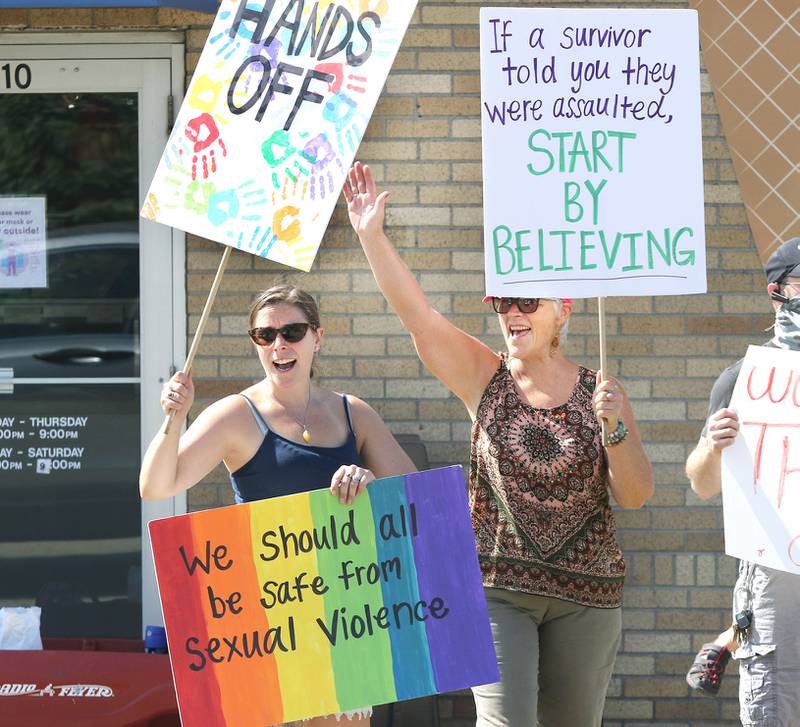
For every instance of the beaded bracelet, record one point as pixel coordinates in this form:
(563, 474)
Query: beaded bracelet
(618, 435)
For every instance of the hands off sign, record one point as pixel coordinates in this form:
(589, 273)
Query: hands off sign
(592, 154)
(761, 469)
(298, 606)
(276, 109)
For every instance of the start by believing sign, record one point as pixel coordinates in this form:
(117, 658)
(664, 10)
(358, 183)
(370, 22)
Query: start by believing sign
(592, 152)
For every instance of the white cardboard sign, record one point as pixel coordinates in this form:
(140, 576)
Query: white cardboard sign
(761, 469)
(276, 109)
(592, 152)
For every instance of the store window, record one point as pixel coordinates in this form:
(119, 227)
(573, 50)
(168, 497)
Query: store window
(72, 339)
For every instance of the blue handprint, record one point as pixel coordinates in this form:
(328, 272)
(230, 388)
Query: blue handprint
(177, 151)
(227, 204)
(348, 122)
(260, 241)
(226, 45)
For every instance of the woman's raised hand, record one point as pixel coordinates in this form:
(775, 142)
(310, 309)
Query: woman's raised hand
(349, 481)
(178, 394)
(364, 205)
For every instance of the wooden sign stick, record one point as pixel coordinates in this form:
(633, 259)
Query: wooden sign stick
(601, 315)
(198, 334)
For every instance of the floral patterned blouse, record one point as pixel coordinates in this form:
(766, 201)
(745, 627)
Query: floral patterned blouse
(539, 497)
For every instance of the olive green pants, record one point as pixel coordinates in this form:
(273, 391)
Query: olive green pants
(555, 660)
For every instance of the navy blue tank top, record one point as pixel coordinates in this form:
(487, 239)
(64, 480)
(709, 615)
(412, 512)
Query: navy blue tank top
(283, 467)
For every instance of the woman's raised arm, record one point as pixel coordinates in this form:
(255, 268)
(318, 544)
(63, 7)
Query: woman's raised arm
(460, 361)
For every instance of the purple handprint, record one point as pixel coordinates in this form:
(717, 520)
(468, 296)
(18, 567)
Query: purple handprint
(320, 154)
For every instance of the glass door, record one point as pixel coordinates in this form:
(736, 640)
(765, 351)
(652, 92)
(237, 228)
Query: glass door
(74, 332)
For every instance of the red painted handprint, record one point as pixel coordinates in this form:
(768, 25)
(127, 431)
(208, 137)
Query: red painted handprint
(202, 131)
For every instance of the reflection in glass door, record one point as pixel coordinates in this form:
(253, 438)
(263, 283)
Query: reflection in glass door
(70, 407)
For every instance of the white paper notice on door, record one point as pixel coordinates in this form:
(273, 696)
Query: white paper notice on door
(23, 233)
(761, 469)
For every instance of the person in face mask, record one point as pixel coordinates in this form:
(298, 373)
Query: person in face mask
(764, 637)
(783, 273)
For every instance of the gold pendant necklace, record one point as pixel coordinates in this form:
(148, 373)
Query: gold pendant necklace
(306, 434)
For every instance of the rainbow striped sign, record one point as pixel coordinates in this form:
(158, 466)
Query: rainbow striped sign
(299, 606)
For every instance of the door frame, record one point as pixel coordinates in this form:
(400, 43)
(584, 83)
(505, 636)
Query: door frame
(162, 249)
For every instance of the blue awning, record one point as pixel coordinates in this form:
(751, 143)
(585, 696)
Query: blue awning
(204, 6)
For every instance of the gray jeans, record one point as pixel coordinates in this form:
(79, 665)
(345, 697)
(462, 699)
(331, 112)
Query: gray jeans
(769, 660)
(555, 660)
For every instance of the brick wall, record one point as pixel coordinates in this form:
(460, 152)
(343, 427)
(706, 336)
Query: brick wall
(424, 143)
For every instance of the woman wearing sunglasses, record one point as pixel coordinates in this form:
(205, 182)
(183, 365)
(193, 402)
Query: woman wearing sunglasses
(280, 436)
(539, 486)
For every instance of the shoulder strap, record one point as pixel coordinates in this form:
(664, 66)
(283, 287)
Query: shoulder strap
(262, 425)
(347, 415)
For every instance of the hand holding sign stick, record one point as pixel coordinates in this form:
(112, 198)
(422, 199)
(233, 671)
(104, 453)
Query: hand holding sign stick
(601, 321)
(198, 334)
(609, 396)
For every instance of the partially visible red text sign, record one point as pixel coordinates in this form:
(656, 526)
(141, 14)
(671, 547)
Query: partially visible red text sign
(761, 470)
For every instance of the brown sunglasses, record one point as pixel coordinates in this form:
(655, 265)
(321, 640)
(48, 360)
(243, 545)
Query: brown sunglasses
(525, 305)
(291, 333)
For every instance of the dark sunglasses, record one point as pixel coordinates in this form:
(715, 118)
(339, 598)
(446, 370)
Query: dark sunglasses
(291, 333)
(525, 305)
